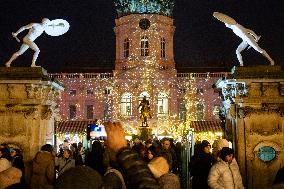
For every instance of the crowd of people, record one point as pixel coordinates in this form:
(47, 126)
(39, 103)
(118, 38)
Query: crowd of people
(119, 164)
(219, 169)
(115, 164)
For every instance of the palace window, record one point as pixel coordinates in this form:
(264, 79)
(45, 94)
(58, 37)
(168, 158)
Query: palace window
(126, 48)
(163, 103)
(163, 47)
(72, 92)
(200, 111)
(199, 91)
(108, 91)
(182, 112)
(90, 111)
(72, 111)
(90, 92)
(126, 104)
(144, 46)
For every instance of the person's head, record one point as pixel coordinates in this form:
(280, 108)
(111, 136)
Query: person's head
(47, 148)
(67, 153)
(159, 166)
(206, 147)
(79, 177)
(45, 21)
(218, 145)
(13, 152)
(4, 153)
(151, 152)
(166, 143)
(227, 154)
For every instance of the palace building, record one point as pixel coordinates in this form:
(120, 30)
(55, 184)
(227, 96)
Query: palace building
(144, 66)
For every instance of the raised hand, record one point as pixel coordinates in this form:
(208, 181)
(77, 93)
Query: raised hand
(115, 136)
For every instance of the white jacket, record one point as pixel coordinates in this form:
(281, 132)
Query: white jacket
(225, 176)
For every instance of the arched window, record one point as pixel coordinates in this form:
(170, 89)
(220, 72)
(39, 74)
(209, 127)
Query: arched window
(144, 46)
(144, 93)
(126, 48)
(163, 105)
(200, 111)
(163, 48)
(126, 104)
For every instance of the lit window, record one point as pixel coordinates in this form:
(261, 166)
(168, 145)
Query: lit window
(72, 111)
(163, 47)
(200, 111)
(182, 111)
(126, 48)
(162, 104)
(90, 111)
(144, 46)
(126, 104)
(108, 91)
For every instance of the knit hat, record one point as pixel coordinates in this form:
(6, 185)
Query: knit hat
(219, 144)
(205, 143)
(10, 176)
(79, 177)
(158, 166)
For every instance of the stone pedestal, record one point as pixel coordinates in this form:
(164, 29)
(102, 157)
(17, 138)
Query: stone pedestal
(28, 108)
(258, 124)
(144, 133)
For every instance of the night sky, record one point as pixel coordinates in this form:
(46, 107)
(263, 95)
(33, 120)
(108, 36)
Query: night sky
(200, 40)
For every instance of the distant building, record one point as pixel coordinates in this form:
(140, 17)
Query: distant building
(144, 66)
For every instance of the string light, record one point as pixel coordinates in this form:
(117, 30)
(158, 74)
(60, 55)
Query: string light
(136, 74)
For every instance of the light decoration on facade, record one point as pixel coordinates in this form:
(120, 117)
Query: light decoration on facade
(142, 74)
(172, 125)
(126, 7)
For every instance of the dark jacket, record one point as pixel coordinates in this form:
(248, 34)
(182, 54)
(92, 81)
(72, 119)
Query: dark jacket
(199, 168)
(137, 174)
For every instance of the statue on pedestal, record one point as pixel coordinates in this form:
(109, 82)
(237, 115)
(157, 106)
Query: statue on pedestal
(145, 113)
(54, 28)
(248, 36)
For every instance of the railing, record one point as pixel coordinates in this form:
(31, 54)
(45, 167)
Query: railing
(203, 75)
(78, 76)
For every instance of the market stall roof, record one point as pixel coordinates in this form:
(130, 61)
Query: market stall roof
(73, 126)
(206, 126)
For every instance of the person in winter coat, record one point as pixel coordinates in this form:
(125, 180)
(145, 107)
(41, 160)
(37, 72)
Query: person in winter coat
(9, 177)
(161, 171)
(137, 174)
(43, 169)
(66, 162)
(200, 164)
(4, 159)
(225, 173)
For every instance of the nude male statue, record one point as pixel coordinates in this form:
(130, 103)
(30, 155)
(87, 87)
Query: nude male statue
(35, 30)
(53, 28)
(248, 36)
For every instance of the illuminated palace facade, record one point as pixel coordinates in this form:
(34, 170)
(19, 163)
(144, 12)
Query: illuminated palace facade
(144, 66)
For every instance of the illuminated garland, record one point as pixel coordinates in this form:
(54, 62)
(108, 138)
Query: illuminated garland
(126, 7)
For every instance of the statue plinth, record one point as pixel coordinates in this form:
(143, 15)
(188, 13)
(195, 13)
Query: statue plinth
(268, 72)
(28, 108)
(144, 133)
(256, 114)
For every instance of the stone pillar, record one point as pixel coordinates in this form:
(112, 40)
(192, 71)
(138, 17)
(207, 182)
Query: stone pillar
(259, 124)
(28, 108)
